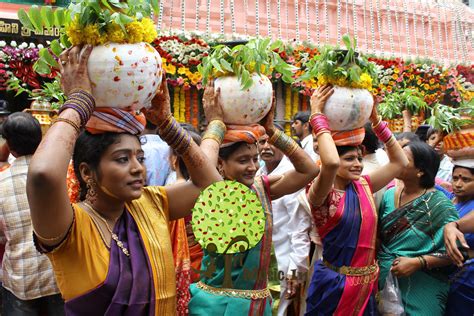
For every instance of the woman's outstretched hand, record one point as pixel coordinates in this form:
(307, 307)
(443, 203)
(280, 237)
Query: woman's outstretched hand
(211, 103)
(73, 68)
(451, 237)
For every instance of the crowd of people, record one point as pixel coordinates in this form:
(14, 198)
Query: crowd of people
(96, 214)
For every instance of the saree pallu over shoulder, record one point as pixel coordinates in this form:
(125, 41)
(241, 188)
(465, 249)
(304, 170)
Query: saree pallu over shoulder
(96, 281)
(249, 294)
(344, 282)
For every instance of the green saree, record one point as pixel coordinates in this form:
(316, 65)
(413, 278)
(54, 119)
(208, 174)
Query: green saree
(413, 230)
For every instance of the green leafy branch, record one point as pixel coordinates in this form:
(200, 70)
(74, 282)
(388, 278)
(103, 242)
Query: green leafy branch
(257, 56)
(396, 102)
(449, 119)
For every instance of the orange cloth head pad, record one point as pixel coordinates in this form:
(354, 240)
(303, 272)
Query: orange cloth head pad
(349, 138)
(242, 133)
(116, 120)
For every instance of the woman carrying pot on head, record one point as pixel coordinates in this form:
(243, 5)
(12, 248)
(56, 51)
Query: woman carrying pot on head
(111, 251)
(461, 292)
(412, 217)
(342, 205)
(234, 153)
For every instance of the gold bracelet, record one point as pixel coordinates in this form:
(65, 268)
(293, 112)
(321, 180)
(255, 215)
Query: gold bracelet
(68, 121)
(48, 239)
(79, 90)
(283, 142)
(378, 123)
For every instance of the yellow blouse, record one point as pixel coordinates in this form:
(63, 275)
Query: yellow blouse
(81, 262)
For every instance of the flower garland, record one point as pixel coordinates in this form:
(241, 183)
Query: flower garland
(176, 105)
(182, 105)
(195, 106)
(288, 114)
(187, 101)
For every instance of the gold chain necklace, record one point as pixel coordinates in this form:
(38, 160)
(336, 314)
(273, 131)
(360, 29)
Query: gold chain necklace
(112, 234)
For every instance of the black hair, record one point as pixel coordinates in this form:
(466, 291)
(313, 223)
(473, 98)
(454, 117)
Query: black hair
(22, 132)
(471, 170)
(90, 148)
(190, 128)
(341, 150)
(225, 152)
(279, 127)
(303, 116)
(430, 132)
(181, 165)
(426, 160)
(370, 142)
(411, 137)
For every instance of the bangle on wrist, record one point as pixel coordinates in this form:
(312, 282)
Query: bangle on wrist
(456, 223)
(215, 130)
(424, 264)
(174, 135)
(283, 142)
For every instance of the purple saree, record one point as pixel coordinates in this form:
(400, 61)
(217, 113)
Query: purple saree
(128, 288)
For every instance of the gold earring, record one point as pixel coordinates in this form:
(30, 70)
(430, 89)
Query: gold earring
(91, 195)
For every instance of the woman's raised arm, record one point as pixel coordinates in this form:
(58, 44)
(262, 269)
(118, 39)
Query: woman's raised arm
(181, 196)
(51, 211)
(305, 168)
(327, 148)
(397, 158)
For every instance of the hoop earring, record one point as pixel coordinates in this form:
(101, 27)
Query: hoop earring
(91, 194)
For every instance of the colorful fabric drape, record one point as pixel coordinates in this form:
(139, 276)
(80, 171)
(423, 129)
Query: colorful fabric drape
(128, 287)
(241, 133)
(116, 120)
(413, 230)
(348, 239)
(461, 292)
(179, 244)
(349, 138)
(249, 272)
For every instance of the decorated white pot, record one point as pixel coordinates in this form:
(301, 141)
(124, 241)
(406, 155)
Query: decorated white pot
(124, 75)
(248, 106)
(348, 108)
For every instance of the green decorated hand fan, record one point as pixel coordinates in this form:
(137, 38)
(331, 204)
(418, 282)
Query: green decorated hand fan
(228, 218)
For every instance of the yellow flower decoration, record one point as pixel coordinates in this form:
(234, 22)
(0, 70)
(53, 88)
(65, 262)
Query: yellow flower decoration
(149, 30)
(135, 32)
(74, 32)
(115, 33)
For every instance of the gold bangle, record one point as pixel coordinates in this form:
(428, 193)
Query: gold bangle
(75, 90)
(214, 137)
(378, 123)
(48, 239)
(391, 141)
(220, 123)
(68, 121)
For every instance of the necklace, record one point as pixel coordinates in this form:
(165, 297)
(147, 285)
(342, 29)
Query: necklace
(112, 234)
(401, 193)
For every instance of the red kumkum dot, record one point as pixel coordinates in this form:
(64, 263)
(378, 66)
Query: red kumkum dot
(140, 88)
(116, 78)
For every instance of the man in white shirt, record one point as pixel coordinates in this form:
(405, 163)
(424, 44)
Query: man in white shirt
(291, 225)
(302, 129)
